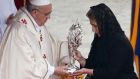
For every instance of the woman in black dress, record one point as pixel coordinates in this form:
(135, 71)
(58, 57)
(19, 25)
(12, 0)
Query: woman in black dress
(111, 55)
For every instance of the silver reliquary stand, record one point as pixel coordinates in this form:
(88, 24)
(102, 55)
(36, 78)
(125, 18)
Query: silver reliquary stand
(74, 41)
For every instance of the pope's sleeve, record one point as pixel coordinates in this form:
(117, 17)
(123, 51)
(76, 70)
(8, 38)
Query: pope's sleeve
(50, 69)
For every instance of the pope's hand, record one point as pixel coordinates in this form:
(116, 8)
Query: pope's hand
(9, 19)
(61, 70)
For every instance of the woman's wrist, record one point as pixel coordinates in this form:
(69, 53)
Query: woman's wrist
(89, 71)
(82, 61)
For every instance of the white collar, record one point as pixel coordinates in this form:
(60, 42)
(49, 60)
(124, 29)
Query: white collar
(38, 28)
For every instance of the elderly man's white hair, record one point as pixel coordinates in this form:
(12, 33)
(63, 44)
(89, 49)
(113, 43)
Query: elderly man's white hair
(40, 2)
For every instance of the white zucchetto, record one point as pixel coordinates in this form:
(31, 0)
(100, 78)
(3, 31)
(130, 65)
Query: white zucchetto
(40, 2)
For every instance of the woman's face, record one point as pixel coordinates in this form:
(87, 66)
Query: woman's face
(94, 26)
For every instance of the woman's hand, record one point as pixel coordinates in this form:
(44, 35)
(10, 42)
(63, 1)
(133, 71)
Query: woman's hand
(77, 56)
(79, 72)
(83, 71)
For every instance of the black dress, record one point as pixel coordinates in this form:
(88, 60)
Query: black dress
(111, 57)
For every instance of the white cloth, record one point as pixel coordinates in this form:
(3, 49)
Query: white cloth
(7, 7)
(1, 34)
(21, 52)
(40, 2)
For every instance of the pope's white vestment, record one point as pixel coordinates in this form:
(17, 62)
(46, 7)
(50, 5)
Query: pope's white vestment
(28, 51)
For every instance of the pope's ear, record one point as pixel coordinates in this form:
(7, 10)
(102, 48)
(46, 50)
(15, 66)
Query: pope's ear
(34, 13)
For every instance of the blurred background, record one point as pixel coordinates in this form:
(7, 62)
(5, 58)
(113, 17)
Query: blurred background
(65, 13)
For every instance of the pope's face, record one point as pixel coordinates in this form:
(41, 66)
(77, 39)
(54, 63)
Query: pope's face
(43, 14)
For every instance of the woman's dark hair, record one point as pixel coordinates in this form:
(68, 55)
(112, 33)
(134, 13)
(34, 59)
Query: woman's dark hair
(106, 20)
